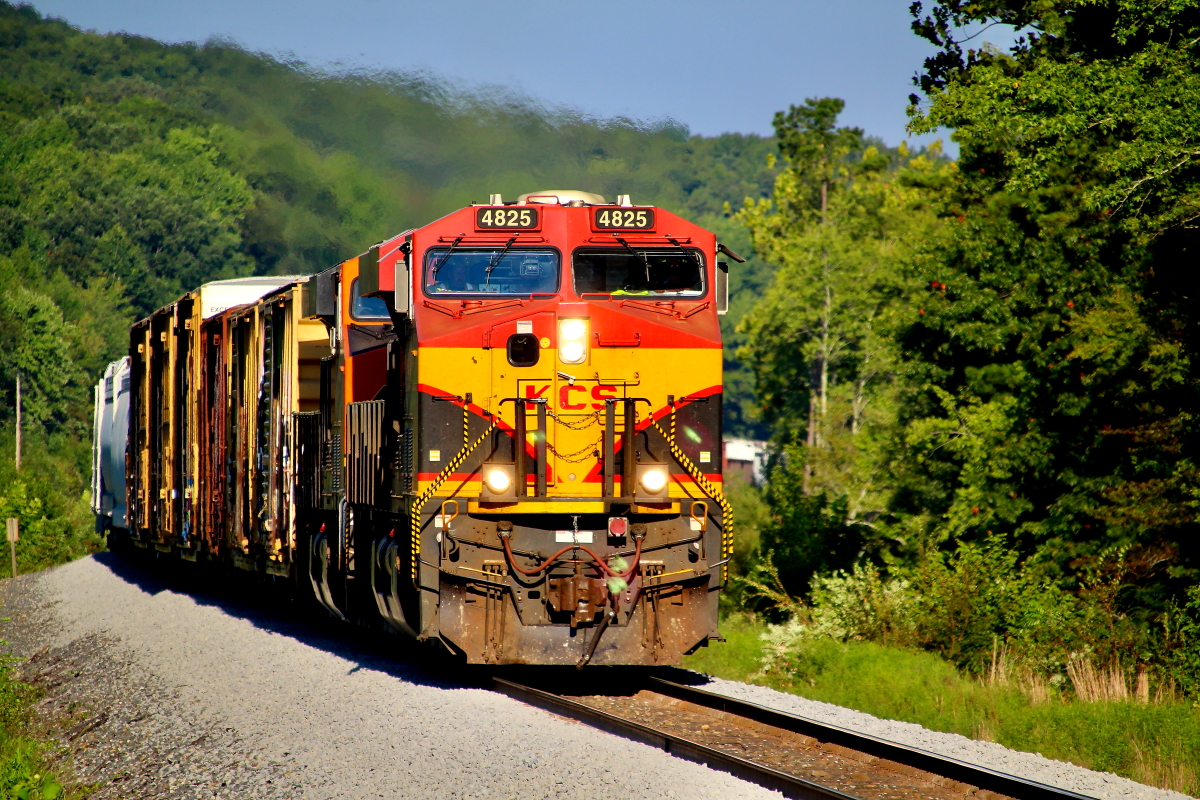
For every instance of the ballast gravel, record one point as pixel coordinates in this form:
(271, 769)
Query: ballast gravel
(162, 693)
(303, 713)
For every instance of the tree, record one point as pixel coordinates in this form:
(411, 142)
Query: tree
(816, 153)
(839, 225)
(1057, 379)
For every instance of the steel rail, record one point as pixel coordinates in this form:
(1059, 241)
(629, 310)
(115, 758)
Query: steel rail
(944, 766)
(678, 746)
(937, 765)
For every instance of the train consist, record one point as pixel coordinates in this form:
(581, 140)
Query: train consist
(500, 432)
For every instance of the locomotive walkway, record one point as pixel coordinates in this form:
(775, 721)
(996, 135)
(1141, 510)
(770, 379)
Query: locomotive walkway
(155, 692)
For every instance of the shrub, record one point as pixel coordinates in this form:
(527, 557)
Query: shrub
(50, 499)
(991, 614)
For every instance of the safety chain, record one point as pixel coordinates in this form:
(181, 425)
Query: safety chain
(454, 464)
(707, 488)
(581, 425)
(578, 455)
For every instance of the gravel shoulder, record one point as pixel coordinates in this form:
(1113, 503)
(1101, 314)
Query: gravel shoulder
(160, 693)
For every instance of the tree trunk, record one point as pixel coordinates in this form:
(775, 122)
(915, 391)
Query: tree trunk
(860, 395)
(18, 458)
(810, 441)
(818, 400)
(826, 348)
(824, 200)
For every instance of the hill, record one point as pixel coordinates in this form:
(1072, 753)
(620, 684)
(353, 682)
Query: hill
(133, 171)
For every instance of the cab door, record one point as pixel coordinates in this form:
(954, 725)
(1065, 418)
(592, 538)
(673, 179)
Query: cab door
(366, 329)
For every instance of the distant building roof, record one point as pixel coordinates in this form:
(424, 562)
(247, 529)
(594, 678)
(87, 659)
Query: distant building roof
(745, 457)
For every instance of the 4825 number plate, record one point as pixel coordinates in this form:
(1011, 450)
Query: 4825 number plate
(636, 219)
(506, 218)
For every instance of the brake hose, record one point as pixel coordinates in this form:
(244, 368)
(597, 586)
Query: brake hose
(549, 562)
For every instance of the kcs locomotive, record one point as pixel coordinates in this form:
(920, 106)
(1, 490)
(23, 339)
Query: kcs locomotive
(500, 432)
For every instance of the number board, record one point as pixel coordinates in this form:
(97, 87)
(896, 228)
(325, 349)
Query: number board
(637, 219)
(506, 218)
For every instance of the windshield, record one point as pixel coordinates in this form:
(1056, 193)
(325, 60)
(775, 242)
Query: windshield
(491, 271)
(365, 308)
(674, 272)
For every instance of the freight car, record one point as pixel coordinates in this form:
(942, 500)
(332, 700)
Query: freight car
(500, 432)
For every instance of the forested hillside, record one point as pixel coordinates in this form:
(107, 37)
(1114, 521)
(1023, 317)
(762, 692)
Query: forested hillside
(131, 171)
(137, 170)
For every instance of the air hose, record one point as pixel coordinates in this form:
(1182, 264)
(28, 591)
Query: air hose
(549, 562)
(609, 613)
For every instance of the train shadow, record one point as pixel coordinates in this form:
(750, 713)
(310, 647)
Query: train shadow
(274, 610)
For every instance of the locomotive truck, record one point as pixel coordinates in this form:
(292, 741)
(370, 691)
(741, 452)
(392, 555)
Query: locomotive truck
(499, 433)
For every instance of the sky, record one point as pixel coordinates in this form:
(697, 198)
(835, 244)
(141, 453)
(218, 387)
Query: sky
(716, 66)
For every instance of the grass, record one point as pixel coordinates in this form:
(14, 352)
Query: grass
(738, 657)
(25, 772)
(1153, 743)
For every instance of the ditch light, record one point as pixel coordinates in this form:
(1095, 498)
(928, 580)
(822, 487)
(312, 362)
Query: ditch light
(498, 479)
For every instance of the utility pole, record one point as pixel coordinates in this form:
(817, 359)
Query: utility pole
(18, 425)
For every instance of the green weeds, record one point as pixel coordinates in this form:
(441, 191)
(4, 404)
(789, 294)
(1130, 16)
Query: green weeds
(25, 771)
(50, 497)
(1154, 742)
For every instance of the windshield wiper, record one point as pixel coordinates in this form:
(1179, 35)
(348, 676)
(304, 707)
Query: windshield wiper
(495, 261)
(695, 256)
(639, 256)
(442, 260)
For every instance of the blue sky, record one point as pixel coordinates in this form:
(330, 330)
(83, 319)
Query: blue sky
(713, 65)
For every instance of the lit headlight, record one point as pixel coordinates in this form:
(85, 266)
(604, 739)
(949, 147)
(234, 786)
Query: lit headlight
(573, 330)
(572, 352)
(654, 479)
(572, 340)
(498, 480)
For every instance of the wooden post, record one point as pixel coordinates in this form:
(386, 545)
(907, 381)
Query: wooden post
(18, 422)
(11, 529)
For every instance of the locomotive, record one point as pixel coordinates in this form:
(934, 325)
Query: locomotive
(499, 433)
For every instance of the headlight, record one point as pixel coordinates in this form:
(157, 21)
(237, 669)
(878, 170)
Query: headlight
(571, 352)
(498, 480)
(654, 480)
(572, 340)
(573, 330)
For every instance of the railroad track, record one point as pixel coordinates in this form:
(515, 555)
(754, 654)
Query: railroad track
(799, 757)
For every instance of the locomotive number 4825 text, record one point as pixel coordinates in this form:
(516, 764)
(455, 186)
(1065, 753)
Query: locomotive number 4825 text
(506, 218)
(624, 218)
